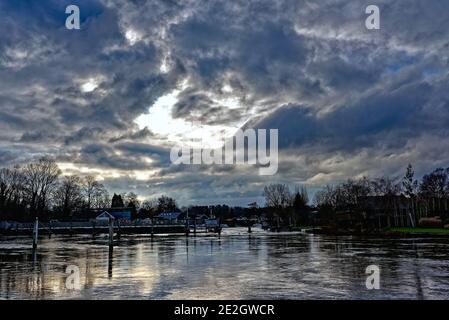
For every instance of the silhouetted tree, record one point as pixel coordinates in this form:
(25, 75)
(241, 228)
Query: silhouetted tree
(165, 204)
(40, 180)
(100, 198)
(117, 201)
(90, 187)
(436, 184)
(300, 205)
(132, 200)
(68, 197)
(409, 184)
(277, 195)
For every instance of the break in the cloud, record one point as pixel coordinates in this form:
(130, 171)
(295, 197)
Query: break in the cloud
(140, 76)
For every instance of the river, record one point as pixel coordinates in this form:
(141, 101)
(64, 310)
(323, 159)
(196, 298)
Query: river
(237, 265)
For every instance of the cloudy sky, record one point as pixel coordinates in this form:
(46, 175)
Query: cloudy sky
(112, 98)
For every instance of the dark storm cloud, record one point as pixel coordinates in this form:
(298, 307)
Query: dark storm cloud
(104, 156)
(347, 101)
(365, 123)
(134, 136)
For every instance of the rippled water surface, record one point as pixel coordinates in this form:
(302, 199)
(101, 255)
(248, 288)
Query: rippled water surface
(235, 266)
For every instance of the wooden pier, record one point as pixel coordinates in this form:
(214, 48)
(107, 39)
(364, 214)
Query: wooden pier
(157, 229)
(92, 228)
(113, 228)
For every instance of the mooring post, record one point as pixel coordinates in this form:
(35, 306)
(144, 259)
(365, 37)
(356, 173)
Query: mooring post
(194, 225)
(249, 227)
(110, 261)
(35, 233)
(187, 223)
(111, 233)
(50, 230)
(152, 228)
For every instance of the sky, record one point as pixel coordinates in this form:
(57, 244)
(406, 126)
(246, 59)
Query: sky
(139, 77)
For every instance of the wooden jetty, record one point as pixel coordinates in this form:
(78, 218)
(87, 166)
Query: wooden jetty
(156, 229)
(113, 228)
(92, 228)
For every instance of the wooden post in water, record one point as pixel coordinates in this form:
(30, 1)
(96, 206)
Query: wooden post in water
(194, 225)
(111, 233)
(110, 259)
(152, 228)
(187, 223)
(35, 233)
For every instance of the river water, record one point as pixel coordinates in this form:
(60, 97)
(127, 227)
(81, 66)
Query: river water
(262, 265)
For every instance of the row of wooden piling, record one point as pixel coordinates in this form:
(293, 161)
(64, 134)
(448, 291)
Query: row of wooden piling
(111, 231)
(110, 238)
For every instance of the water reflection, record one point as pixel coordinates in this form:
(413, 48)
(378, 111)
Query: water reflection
(110, 261)
(234, 266)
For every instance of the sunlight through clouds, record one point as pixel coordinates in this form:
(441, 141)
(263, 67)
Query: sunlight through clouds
(180, 131)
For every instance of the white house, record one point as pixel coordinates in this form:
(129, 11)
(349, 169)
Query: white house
(105, 216)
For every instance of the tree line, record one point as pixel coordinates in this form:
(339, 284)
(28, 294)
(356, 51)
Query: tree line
(347, 195)
(38, 189)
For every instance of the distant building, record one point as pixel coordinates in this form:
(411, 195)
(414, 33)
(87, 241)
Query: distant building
(118, 214)
(115, 214)
(210, 223)
(105, 216)
(121, 213)
(168, 216)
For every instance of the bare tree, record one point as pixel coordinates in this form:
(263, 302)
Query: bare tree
(436, 184)
(100, 198)
(165, 204)
(68, 195)
(149, 207)
(40, 180)
(89, 187)
(132, 200)
(6, 186)
(277, 195)
(326, 197)
(386, 186)
(345, 195)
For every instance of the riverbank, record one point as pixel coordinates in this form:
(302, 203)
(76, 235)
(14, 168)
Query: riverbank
(426, 231)
(391, 232)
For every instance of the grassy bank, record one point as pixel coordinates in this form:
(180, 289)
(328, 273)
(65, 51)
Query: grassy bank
(420, 230)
